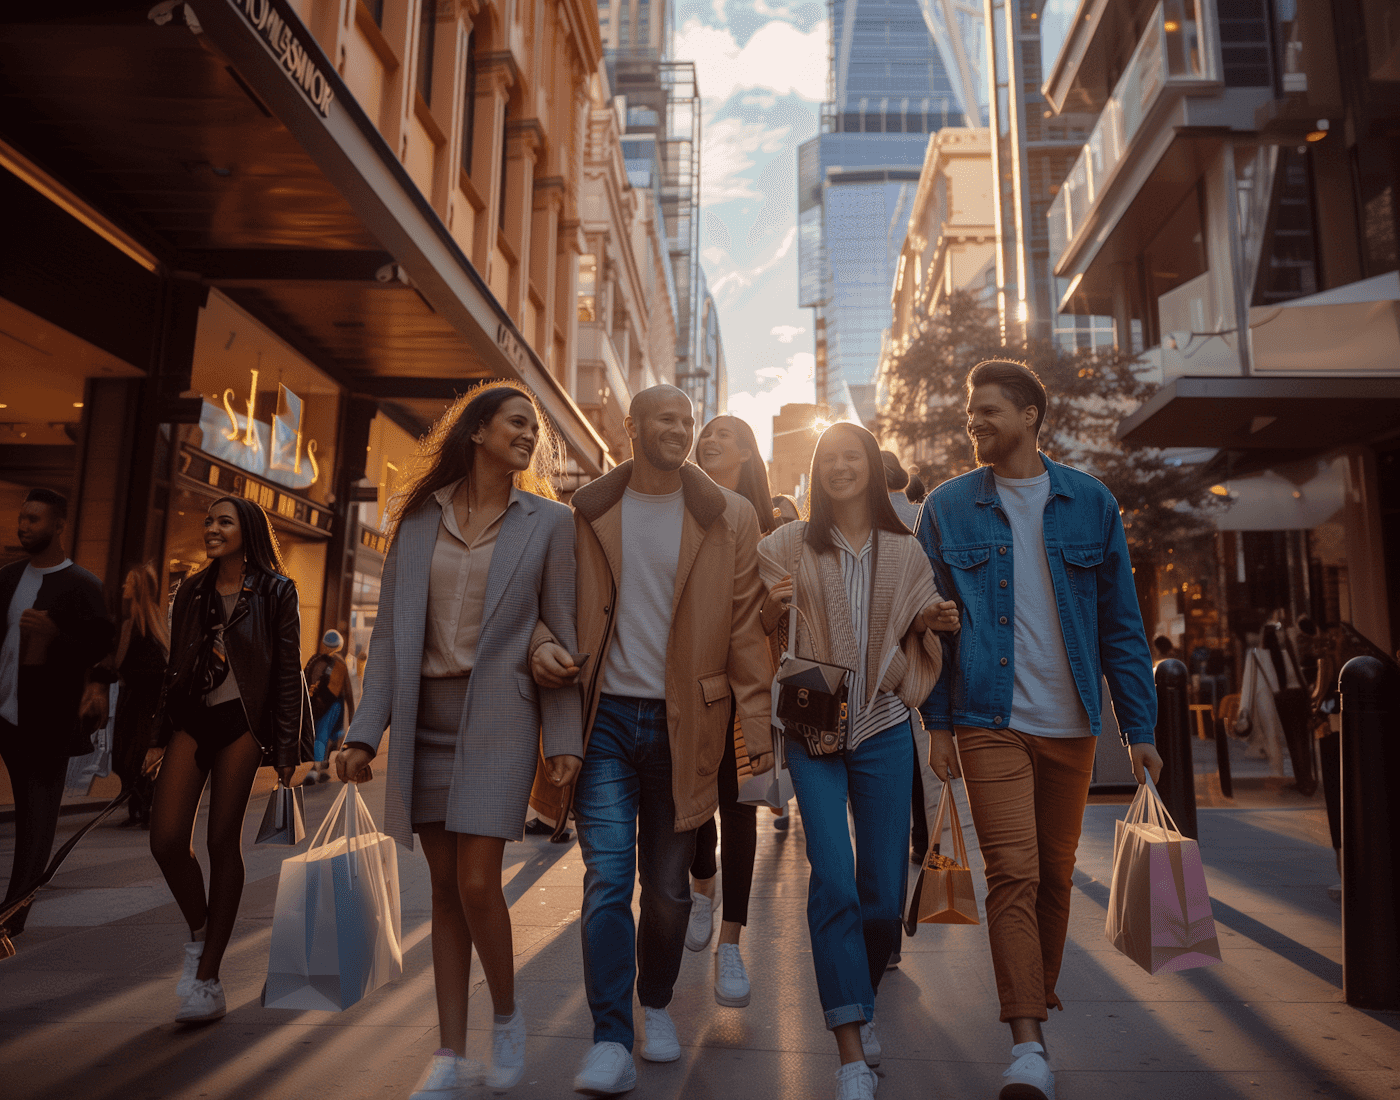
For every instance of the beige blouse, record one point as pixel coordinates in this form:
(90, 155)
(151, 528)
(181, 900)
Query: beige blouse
(457, 590)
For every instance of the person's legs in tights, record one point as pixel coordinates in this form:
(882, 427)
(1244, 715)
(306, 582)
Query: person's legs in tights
(174, 805)
(451, 937)
(36, 778)
(488, 917)
(230, 784)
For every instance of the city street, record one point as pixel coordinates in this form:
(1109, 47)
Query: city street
(87, 1004)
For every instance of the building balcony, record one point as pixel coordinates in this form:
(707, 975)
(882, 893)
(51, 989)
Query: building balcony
(603, 389)
(1171, 61)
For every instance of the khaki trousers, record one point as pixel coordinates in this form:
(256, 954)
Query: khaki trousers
(1027, 795)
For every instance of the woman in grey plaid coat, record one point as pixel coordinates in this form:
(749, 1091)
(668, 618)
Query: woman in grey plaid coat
(480, 553)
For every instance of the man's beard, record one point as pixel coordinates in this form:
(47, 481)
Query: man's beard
(35, 544)
(652, 450)
(990, 449)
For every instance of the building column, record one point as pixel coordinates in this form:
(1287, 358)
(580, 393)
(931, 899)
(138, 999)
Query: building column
(524, 139)
(352, 442)
(544, 227)
(495, 77)
(570, 247)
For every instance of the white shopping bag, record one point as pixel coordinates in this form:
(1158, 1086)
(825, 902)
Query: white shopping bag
(335, 930)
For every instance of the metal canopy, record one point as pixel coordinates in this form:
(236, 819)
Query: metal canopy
(1294, 415)
(203, 148)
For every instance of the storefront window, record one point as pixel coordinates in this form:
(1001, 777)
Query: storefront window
(587, 288)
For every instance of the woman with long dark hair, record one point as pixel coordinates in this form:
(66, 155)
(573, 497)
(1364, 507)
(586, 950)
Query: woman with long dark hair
(728, 452)
(481, 552)
(866, 599)
(233, 700)
(142, 653)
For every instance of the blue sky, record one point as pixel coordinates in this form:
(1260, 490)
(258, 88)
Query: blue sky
(761, 68)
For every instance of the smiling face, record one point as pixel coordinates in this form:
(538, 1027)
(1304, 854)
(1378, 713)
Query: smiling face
(511, 435)
(719, 452)
(996, 425)
(663, 430)
(223, 534)
(843, 470)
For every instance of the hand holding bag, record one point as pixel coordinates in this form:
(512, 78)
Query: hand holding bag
(773, 787)
(944, 893)
(284, 820)
(1158, 907)
(336, 926)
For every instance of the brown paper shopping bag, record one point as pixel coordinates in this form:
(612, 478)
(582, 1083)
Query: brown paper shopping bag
(943, 894)
(1159, 911)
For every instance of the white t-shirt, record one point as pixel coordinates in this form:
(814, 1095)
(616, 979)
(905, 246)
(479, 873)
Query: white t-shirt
(1044, 700)
(651, 551)
(26, 592)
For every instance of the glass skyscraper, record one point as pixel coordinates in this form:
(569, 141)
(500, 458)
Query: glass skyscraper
(892, 82)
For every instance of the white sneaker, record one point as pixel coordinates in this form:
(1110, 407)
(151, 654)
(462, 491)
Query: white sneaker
(447, 1077)
(507, 1052)
(193, 953)
(1029, 1077)
(607, 1070)
(702, 922)
(870, 1045)
(731, 979)
(855, 1081)
(662, 1044)
(205, 1002)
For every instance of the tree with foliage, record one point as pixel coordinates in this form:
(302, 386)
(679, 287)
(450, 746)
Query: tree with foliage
(923, 406)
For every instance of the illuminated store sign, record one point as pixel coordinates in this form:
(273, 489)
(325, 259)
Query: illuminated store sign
(295, 58)
(275, 451)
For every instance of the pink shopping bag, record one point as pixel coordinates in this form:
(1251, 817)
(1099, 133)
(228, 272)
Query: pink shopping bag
(1159, 911)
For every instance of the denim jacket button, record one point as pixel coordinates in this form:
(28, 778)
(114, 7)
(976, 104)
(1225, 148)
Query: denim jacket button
(1003, 660)
(1001, 549)
(997, 720)
(1003, 584)
(1002, 620)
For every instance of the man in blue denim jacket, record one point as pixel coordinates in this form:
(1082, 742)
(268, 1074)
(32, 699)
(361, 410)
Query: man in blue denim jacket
(1035, 555)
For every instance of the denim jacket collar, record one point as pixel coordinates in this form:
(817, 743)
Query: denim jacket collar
(1059, 484)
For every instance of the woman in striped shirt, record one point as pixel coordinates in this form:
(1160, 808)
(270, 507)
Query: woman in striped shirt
(866, 601)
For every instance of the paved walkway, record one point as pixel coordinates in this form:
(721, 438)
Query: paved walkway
(86, 1006)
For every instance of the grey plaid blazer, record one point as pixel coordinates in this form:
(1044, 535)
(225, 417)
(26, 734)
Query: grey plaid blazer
(531, 580)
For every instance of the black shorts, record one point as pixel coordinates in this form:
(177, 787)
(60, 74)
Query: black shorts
(215, 729)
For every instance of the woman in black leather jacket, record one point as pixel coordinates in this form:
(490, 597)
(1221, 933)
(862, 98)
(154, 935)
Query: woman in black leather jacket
(233, 700)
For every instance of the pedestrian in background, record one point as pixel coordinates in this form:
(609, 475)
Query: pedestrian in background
(332, 702)
(866, 601)
(728, 452)
(56, 631)
(1035, 554)
(480, 552)
(896, 481)
(785, 510)
(915, 491)
(143, 650)
(668, 601)
(233, 700)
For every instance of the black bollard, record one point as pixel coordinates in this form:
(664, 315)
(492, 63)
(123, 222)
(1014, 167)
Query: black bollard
(1370, 821)
(1173, 734)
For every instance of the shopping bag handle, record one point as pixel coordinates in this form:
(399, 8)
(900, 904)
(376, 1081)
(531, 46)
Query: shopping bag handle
(323, 833)
(1148, 808)
(947, 808)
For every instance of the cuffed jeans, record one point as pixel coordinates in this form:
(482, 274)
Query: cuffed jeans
(855, 899)
(626, 828)
(1027, 796)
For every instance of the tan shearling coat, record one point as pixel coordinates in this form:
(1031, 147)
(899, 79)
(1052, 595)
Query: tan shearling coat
(716, 645)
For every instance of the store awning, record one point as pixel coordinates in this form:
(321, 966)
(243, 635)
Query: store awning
(256, 171)
(1287, 415)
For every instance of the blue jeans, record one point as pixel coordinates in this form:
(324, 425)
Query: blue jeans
(855, 900)
(626, 824)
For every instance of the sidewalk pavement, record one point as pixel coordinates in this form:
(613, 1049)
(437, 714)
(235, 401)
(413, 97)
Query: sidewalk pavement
(86, 1005)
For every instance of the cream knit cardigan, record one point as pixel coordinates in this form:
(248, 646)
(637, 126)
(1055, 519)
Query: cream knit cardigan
(902, 662)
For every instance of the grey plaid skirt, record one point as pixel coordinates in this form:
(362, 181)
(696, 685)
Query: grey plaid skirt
(440, 706)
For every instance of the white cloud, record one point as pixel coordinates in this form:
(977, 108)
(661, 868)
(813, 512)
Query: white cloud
(785, 334)
(778, 58)
(741, 279)
(791, 384)
(713, 255)
(728, 148)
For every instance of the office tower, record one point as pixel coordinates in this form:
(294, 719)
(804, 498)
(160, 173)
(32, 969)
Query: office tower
(892, 81)
(1033, 149)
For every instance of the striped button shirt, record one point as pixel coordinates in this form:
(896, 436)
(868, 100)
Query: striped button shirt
(886, 709)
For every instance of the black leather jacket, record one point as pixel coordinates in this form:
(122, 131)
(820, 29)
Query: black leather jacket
(263, 642)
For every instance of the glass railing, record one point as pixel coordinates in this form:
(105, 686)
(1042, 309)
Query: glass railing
(1170, 55)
